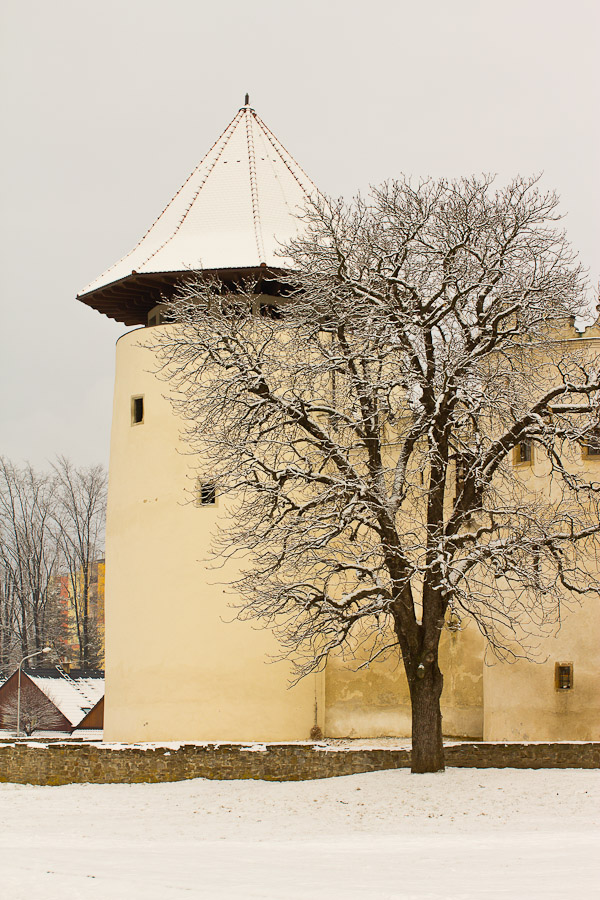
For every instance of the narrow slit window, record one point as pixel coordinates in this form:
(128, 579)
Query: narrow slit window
(207, 493)
(563, 676)
(137, 410)
(524, 452)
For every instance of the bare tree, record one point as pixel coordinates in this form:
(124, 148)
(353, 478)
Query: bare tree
(367, 436)
(80, 516)
(29, 556)
(36, 711)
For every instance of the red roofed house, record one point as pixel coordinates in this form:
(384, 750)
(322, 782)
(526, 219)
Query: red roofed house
(50, 700)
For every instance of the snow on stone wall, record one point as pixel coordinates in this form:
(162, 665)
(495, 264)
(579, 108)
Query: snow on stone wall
(57, 763)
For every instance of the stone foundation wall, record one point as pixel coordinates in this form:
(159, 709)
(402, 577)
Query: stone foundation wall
(61, 763)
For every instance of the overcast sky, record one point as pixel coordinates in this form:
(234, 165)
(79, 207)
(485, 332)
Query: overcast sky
(108, 106)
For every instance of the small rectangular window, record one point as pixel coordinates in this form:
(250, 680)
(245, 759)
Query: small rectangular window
(269, 311)
(137, 410)
(563, 676)
(591, 446)
(523, 453)
(207, 493)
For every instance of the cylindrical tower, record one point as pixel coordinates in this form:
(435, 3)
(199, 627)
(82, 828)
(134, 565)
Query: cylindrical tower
(177, 666)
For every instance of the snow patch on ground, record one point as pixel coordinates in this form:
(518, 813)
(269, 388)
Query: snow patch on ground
(465, 834)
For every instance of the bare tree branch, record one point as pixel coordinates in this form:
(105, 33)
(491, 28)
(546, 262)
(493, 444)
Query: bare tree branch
(366, 440)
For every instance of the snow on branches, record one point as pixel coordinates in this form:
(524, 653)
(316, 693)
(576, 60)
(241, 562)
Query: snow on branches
(369, 434)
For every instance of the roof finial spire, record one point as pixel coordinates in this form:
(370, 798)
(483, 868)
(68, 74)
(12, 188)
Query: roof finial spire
(247, 100)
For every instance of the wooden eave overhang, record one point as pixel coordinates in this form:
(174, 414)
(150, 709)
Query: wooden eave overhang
(130, 299)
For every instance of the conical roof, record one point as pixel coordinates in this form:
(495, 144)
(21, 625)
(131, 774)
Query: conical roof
(230, 218)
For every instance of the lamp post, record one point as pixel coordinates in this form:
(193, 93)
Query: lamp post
(25, 658)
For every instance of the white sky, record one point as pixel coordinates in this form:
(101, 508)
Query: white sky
(108, 106)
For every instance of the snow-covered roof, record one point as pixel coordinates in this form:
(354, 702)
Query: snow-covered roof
(73, 697)
(233, 213)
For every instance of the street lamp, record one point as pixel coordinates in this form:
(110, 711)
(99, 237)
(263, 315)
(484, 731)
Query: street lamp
(37, 653)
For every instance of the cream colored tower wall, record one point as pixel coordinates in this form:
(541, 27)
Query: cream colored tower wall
(523, 702)
(176, 669)
(374, 701)
(493, 700)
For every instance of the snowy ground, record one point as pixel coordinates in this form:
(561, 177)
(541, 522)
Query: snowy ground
(466, 834)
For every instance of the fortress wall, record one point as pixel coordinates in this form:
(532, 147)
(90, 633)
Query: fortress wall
(28, 763)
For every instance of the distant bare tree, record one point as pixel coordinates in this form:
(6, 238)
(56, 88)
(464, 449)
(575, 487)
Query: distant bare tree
(80, 516)
(37, 710)
(367, 437)
(29, 557)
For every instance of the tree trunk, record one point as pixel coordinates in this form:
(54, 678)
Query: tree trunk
(427, 745)
(86, 624)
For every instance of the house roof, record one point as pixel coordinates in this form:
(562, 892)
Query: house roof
(94, 719)
(230, 218)
(73, 695)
